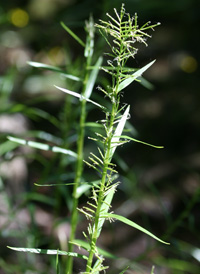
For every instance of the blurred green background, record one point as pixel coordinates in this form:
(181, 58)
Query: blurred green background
(160, 189)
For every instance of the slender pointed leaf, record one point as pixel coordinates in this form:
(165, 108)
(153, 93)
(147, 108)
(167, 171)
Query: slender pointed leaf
(48, 252)
(68, 184)
(53, 68)
(134, 76)
(144, 82)
(73, 34)
(85, 186)
(81, 97)
(86, 246)
(104, 208)
(138, 141)
(42, 146)
(119, 130)
(7, 146)
(92, 79)
(131, 223)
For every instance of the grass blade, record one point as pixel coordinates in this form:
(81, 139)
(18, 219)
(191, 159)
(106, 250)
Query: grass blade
(104, 208)
(145, 83)
(7, 146)
(134, 76)
(53, 68)
(119, 130)
(131, 223)
(92, 78)
(138, 141)
(73, 34)
(81, 97)
(86, 246)
(48, 252)
(42, 146)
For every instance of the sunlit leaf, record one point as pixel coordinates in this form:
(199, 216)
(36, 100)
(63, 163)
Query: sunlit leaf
(81, 97)
(131, 223)
(119, 130)
(48, 252)
(42, 146)
(82, 188)
(134, 76)
(104, 209)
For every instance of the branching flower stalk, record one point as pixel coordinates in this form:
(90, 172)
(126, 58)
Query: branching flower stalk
(124, 31)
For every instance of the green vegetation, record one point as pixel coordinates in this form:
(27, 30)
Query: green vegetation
(71, 151)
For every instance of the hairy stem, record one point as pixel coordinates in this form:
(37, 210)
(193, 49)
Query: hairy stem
(106, 162)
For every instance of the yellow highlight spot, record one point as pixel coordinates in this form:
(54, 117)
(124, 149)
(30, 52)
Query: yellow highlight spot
(57, 55)
(19, 18)
(189, 64)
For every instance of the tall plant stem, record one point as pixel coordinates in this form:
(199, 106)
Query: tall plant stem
(79, 169)
(97, 217)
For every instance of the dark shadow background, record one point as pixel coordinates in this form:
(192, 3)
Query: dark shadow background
(160, 188)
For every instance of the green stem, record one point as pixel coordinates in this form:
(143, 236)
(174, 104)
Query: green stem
(79, 169)
(107, 160)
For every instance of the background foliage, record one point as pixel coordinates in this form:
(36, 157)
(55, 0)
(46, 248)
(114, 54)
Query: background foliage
(160, 188)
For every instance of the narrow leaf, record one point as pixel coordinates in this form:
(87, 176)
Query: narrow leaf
(48, 252)
(119, 130)
(69, 184)
(138, 141)
(44, 66)
(91, 124)
(81, 97)
(86, 186)
(92, 79)
(7, 146)
(86, 246)
(131, 223)
(53, 68)
(104, 209)
(42, 146)
(144, 82)
(134, 76)
(123, 271)
(73, 34)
